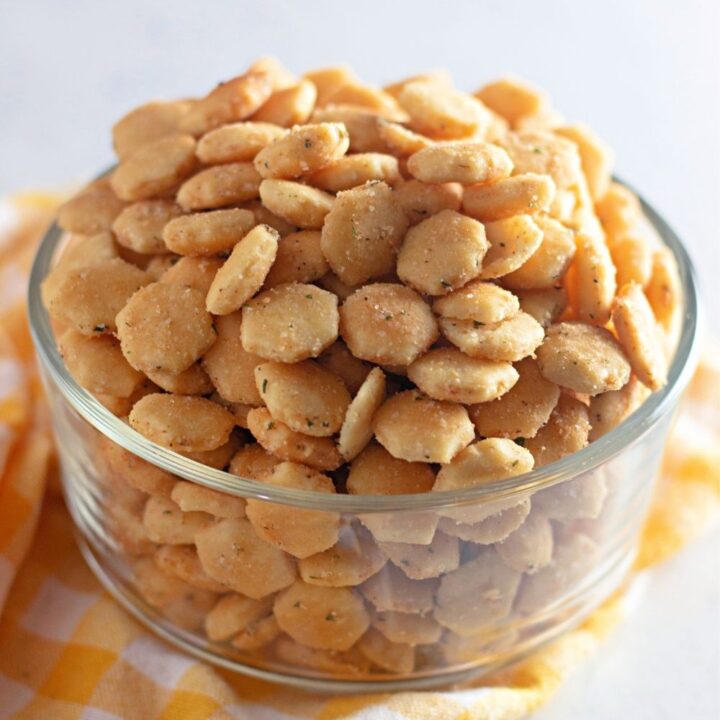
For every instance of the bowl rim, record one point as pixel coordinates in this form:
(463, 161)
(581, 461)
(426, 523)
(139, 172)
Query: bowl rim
(657, 406)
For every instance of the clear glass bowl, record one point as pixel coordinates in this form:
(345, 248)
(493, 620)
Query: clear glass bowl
(419, 590)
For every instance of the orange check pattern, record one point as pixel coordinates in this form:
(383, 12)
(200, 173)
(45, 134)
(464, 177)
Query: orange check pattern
(68, 652)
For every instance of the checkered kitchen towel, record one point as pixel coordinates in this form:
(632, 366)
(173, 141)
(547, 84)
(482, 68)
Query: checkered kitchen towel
(67, 651)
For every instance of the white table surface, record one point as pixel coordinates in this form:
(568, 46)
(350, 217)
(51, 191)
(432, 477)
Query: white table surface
(644, 74)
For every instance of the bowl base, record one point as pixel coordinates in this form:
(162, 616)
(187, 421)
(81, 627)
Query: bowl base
(110, 571)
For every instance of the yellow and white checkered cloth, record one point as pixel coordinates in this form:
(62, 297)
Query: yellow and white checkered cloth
(67, 651)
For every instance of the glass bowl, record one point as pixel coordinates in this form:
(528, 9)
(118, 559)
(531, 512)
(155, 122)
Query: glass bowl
(420, 590)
